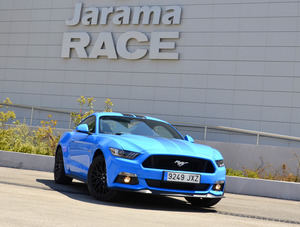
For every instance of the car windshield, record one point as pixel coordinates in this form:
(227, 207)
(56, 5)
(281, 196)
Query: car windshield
(137, 126)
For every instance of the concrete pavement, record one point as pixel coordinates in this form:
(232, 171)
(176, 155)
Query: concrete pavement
(30, 198)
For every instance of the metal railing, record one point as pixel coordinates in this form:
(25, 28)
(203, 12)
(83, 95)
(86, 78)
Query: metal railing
(258, 134)
(205, 128)
(35, 108)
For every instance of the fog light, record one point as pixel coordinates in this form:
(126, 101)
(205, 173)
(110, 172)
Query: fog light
(127, 180)
(218, 186)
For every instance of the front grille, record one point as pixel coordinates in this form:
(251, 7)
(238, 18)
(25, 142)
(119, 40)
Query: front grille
(177, 186)
(168, 162)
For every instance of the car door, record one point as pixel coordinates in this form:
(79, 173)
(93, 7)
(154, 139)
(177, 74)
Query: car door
(80, 148)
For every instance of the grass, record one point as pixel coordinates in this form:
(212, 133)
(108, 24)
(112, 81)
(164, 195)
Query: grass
(281, 174)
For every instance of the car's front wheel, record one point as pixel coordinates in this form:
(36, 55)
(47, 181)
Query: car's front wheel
(97, 181)
(202, 202)
(59, 169)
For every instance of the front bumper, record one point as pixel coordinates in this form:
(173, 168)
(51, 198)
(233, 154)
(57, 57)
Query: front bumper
(117, 165)
(209, 196)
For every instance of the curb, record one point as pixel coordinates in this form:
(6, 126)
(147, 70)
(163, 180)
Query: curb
(264, 188)
(26, 161)
(235, 185)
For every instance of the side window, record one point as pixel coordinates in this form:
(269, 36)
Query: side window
(91, 122)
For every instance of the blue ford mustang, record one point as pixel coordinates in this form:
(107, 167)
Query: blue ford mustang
(112, 152)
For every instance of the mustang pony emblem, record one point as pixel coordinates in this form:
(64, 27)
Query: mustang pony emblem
(180, 163)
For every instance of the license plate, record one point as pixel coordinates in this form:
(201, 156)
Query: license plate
(182, 177)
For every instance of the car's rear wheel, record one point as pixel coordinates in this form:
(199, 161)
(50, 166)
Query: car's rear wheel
(60, 176)
(97, 181)
(202, 202)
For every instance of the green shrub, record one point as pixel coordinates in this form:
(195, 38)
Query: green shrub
(108, 105)
(8, 115)
(77, 117)
(281, 174)
(236, 173)
(88, 103)
(18, 137)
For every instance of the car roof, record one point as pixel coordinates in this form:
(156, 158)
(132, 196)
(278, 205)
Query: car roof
(101, 114)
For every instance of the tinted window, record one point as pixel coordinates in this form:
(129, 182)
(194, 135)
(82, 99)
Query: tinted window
(91, 122)
(137, 126)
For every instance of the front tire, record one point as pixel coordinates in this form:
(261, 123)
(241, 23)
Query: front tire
(202, 202)
(97, 181)
(60, 176)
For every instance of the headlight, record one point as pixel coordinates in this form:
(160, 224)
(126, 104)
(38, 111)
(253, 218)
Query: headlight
(123, 154)
(220, 163)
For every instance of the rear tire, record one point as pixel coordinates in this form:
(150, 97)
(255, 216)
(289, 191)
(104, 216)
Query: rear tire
(97, 181)
(60, 176)
(202, 202)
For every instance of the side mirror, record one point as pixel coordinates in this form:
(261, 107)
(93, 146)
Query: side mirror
(83, 128)
(189, 138)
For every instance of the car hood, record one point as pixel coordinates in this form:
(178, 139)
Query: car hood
(159, 145)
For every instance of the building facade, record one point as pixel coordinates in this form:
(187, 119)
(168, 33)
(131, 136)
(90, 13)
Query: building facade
(233, 63)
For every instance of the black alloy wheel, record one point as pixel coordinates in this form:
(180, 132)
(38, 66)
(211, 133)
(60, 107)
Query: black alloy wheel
(60, 176)
(97, 181)
(202, 202)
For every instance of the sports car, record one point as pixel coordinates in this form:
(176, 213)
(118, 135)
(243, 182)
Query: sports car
(114, 152)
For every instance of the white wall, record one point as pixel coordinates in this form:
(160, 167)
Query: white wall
(239, 63)
(249, 156)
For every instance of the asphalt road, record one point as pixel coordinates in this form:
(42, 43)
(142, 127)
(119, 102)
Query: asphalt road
(30, 198)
